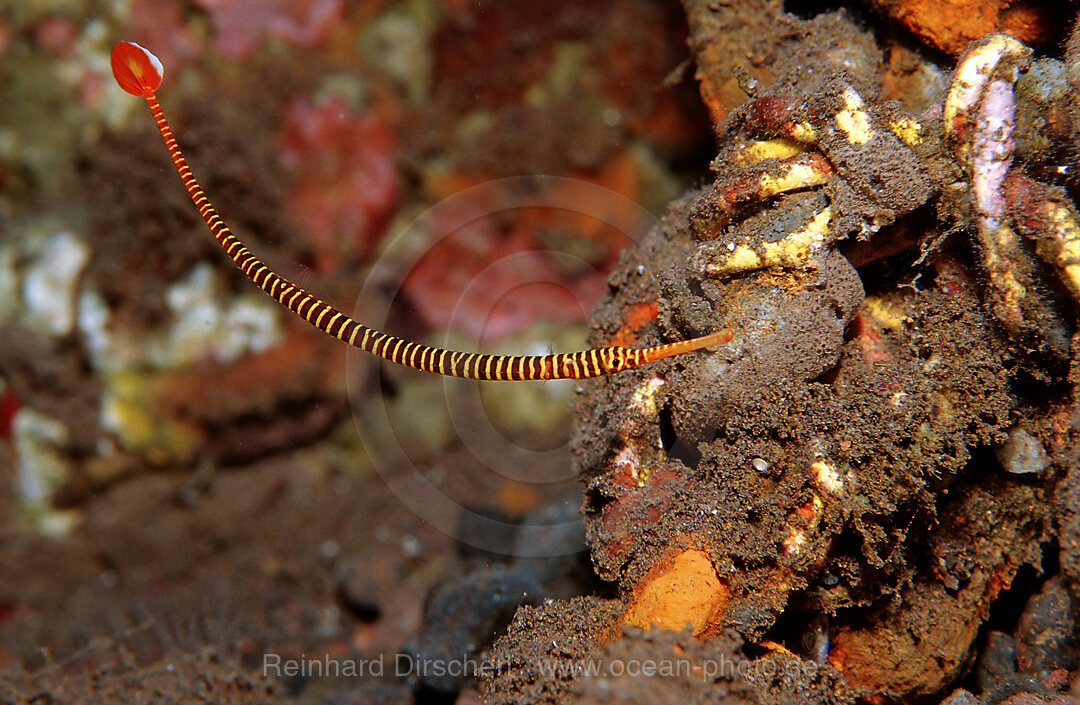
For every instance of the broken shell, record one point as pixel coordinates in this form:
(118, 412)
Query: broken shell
(993, 56)
(1022, 454)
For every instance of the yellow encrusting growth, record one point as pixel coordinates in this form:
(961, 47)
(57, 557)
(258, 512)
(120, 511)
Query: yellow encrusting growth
(1065, 242)
(908, 130)
(139, 72)
(1003, 277)
(853, 119)
(756, 151)
(803, 132)
(796, 174)
(798, 250)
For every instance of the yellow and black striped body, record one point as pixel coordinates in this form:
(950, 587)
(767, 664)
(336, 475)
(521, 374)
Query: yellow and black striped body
(578, 365)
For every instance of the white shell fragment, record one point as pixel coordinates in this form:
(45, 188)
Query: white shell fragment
(1022, 454)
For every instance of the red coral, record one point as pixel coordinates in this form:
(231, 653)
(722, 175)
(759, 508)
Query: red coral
(489, 284)
(239, 24)
(345, 183)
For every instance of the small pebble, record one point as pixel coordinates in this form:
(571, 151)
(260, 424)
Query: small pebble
(960, 697)
(1045, 630)
(1022, 454)
(997, 661)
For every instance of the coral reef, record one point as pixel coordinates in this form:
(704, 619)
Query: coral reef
(767, 477)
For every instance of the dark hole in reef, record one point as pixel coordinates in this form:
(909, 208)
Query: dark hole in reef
(675, 447)
(808, 9)
(829, 376)
(427, 695)
(837, 310)
(695, 287)
(1009, 606)
(595, 501)
(1007, 609)
(800, 632)
(851, 330)
(1039, 388)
